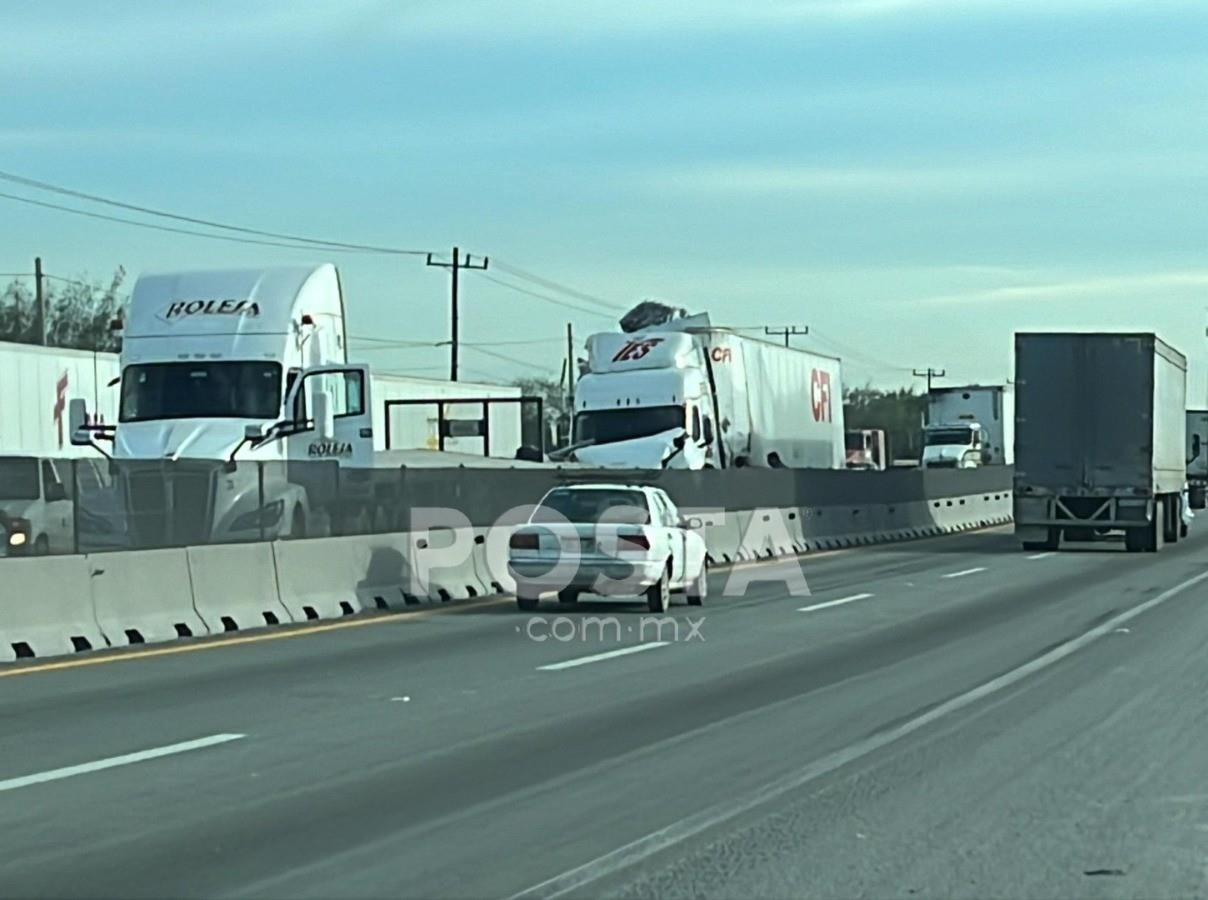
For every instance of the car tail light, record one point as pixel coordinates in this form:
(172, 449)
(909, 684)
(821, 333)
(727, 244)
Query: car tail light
(522, 541)
(634, 542)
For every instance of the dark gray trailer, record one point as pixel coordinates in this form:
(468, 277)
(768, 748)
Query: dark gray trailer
(1100, 423)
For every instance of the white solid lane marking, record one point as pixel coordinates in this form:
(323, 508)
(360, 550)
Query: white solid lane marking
(1044, 555)
(852, 599)
(964, 572)
(685, 829)
(114, 761)
(598, 657)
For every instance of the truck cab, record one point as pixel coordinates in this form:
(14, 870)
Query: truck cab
(645, 403)
(864, 448)
(955, 445)
(230, 366)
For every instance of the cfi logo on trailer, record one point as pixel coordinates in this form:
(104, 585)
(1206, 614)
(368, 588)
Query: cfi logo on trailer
(186, 309)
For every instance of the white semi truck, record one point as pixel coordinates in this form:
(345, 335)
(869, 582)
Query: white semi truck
(969, 426)
(1197, 457)
(685, 395)
(251, 366)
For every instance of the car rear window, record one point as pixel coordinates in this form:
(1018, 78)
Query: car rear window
(589, 506)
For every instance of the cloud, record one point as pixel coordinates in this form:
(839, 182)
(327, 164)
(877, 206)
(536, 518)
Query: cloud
(1077, 289)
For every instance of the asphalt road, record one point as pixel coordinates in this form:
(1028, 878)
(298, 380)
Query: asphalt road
(980, 722)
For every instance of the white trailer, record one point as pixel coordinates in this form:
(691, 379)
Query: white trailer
(37, 385)
(693, 397)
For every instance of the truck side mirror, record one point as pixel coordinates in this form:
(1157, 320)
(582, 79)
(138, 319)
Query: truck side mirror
(325, 420)
(77, 418)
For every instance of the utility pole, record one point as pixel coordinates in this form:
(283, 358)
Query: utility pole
(787, 331)
(457, 265)
(929, 375)
(40, 297)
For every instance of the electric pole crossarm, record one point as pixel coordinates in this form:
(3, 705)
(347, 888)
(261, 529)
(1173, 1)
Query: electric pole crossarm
(456, 266)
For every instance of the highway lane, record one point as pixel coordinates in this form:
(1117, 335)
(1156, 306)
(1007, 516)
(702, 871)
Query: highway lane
(434, 757)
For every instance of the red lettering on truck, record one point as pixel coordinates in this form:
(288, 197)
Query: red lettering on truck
(721, 354)
(820, 395)
(636, 349)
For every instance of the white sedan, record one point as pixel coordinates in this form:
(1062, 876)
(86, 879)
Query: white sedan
(608, 539)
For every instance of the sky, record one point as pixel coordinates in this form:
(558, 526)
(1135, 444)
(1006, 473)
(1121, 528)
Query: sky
(912, 180)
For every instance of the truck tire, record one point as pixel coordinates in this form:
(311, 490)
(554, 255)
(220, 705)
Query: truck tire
(527, 598)
(698, 589)
(1173, 519)
(569, 596)
(658, 595)
(1136, 540)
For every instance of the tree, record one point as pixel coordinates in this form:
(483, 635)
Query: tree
(79, 313)
(899, 413)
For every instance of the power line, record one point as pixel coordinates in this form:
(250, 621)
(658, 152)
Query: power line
(209, 223)
(547, 299)
(528, 364)
(168, 228)
(858, 355)
(555, 286)
(387, 343)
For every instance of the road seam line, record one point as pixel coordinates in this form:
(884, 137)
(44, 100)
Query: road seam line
(1044, 555)
(113, 762)
(829, 603)
(600, 657)
(643, 848)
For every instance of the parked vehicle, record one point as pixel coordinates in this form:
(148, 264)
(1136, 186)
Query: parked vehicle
(607, 539)
(865, 449)
(686, 395)
(969, 426)
(245, 365)
(34, 496)
(1100, 444)
(1197, 458)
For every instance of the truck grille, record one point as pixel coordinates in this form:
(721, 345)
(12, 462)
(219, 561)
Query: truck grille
(170, 507)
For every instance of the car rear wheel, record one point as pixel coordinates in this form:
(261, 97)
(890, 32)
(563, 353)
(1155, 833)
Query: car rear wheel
(698, 589)
(527, 597)
(658, 595)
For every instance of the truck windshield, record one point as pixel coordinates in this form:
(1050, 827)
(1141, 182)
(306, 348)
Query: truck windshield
(604, 426)
(18, 478)
(203, 390)
(937, 436)
(587, 506)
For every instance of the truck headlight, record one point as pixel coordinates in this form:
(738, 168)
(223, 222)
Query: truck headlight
(17, 539)
(266, 517)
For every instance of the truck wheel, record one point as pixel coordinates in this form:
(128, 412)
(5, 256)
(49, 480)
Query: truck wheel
(527, 597)
(42, 545)
(297, 528)
(658, 595)
(1136, 540)
(698, 589)
(1157, 531)
(1174, 516)
(568, 596)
